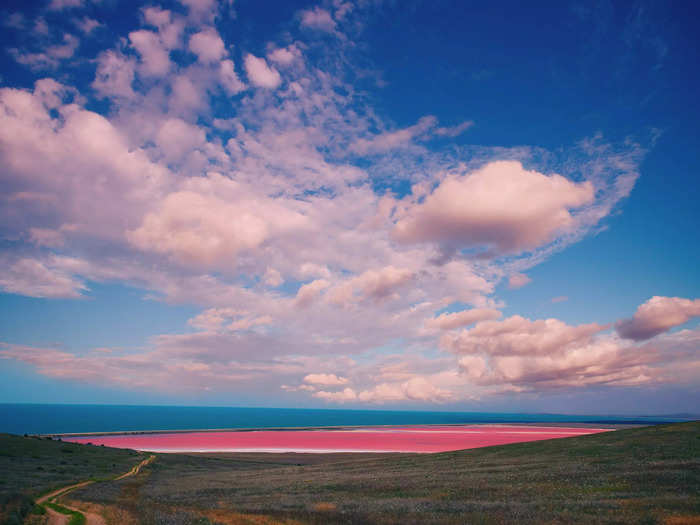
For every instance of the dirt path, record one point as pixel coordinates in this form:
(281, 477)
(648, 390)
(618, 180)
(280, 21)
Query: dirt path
(56, 518)
(136, 469)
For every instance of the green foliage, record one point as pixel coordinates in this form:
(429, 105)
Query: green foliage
(76, 518)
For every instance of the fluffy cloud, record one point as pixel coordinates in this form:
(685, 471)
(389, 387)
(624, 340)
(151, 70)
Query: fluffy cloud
(519, 336)
(170, 27)
(51, 56)
(176, 139)
(211, 220)
(372, 284)
(208, 46)
(260, 74)
(229, 79)
(115, 75)
(415, 389)
(465, 317)
(658, 315)
(87, 25)
(284, 55)
(52, 150)
(501, 205)
(35, 279)
(525, 355)
(155, 58)
(325, 379)
(308, 292)
(343, 396)
(318, 18)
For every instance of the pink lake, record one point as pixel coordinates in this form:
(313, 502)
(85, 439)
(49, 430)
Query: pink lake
(366, 439)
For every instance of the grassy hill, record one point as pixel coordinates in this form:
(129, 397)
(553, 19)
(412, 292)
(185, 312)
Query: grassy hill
(30, 466)
(642, 475)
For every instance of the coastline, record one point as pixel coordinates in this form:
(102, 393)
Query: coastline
(324, 440)
(574, 424)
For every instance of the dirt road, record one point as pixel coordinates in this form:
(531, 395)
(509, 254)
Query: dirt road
(56, 518)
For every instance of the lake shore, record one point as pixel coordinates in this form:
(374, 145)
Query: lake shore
(377, 439)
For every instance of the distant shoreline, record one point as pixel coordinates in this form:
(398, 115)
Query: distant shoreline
(593, 425)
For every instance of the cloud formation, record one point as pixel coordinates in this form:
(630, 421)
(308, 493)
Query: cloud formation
(260, 73)
(656, 316)
(258, 183)
(325, 379)
(459, 319)
(501, 206)
(518, 280)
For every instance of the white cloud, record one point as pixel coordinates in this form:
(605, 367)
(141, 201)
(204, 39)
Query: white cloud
(309, 292)
(450, 321)
(284, 55)
(343, 396)
(520, 336)
(415, 389)
(229, 79)
(325, 379)
(86, 24)
(186, 96)
(501, 205)
(176, 138)
(34, 279)
(318, 18)
(658, 315)
(213, 219)
(208, 46)
(260, 74)
(374, 285)
(115, 75)
(155, 58)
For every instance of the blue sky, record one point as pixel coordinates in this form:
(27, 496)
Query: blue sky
(359, 204)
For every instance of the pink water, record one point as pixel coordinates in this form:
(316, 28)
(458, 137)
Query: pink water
(368, 439)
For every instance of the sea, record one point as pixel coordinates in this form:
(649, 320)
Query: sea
(64, 419)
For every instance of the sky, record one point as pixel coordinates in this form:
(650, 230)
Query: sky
(434, 205)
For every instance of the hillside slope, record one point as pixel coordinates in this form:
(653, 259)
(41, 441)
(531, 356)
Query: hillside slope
(30, 466)
(643, 475)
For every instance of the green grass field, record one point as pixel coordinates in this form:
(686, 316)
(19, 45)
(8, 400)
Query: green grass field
(31, 466)
(642, 475)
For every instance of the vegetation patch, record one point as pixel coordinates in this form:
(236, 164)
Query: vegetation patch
(76, 518)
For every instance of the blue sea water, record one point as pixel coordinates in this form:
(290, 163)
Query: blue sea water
(55, 419)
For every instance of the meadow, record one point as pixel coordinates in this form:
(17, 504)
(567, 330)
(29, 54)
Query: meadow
(641, 475)
(31, 466)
